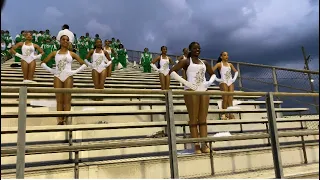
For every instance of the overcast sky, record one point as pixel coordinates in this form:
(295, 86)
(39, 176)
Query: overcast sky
(257, 31)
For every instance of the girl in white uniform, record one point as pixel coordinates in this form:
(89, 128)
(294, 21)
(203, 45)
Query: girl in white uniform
(63, 74)
(110, 52)
(226, 82)
(164, 69)
(185, 52)
(197, 105)
(28, 63)
(100, 61)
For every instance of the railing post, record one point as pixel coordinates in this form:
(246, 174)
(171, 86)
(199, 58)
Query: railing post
(273, 133)
(21, 140)
(275, 80)
(171, 131)
(239, 77)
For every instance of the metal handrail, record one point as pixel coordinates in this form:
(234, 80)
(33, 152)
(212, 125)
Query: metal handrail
(246, 63)
(172, 140)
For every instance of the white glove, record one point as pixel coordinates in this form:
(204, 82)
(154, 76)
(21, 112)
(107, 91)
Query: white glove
(107, 64)
(176, 76)
(211, 80)
(44, 65)
(235, 77)
(88, 63)
(81, 68)
(19, 55)
(37, 56)
(155, 67)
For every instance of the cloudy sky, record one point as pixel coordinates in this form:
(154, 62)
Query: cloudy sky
(256, 31)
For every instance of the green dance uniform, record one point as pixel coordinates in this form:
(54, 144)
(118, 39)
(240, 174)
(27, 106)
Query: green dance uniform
(83, 48)
(122, 57)
(115, 60)
(146, 59)
(48, 48)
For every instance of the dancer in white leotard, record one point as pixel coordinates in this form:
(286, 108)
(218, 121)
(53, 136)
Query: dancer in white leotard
(185, 52)
(100, 61)
(111, 53)
(226, 82)
(164, 69)
(28, 63)
(197, 105)
(63, 74)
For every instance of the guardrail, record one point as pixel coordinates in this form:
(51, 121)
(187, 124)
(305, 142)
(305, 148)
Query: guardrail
(172, 140)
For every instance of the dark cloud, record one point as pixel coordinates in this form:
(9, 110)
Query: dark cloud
(265, 32)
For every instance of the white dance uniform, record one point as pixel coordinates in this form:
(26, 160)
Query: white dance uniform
(63, 65)
(184, 57)
(109, 52)
(226, 76)
(196, 74)
(28, 53)
(164, 65)
(98, 61)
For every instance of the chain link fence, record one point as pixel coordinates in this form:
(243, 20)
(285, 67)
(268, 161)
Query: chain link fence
(255, 77)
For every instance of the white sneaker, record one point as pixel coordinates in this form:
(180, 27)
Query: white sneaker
(26, 81)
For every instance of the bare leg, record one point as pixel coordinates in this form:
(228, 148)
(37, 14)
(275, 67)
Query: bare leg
(192, 103)
(203, 113)
(224, 87)
(109, 70)
(95, 78)
(59, 98)
(31, 70)
(162, 81)
(25, 68)
(102, 78)
(68, 83)
(167, 79)
(230, 100)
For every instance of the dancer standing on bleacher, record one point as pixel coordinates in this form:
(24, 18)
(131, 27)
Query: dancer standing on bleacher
(145, 60)
(164, 68)
(111, 53)
(100, 61)
(185, 52)
(63, 74)
(197, 105)
(28, 63)
(226, 81)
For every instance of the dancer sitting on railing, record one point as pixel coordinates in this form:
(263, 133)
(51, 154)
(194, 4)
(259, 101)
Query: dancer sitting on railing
(197, 105)
(145, 60)
(226, 81)
(100, 61)
(28, 63)
(63, 74)
(111, 53)
(164, 69)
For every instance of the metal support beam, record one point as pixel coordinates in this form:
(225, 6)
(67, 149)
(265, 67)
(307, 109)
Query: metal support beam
(171, 131)
(273, 133)
(21, 140)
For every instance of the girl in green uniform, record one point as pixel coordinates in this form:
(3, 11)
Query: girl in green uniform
(122, 56)
(48, 47)
(145, 60)
(82, 47)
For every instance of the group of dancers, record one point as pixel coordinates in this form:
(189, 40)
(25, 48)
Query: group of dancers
(193, 76)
